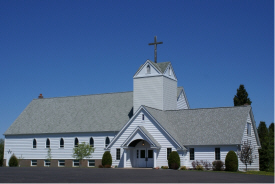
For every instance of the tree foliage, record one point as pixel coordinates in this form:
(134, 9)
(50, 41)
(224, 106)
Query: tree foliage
(271, 147)
(13, 162)
(245, 154)
(83, 150)
(231, 161)
(241, 98)
(263, 152)
(107, 159)
(1, 151)
(174, 160)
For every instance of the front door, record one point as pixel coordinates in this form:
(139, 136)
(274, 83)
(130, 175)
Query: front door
(145, 157)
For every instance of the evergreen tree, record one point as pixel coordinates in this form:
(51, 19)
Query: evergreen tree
(271, 147)
(263, 152)
(1, 151)
(241, 97)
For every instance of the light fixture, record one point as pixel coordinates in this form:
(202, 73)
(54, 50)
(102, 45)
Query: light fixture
(142, 143)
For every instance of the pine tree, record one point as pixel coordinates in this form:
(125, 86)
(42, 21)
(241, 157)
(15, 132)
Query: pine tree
(241, 97)
(263, 152)
(271, 147)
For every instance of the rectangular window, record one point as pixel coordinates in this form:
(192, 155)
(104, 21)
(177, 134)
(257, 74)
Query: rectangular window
(142, 117)
(76, 163)
(61, 163)
(150, 154)
(34, 163)
(169, 150)
(142, 153)
(192, 153)
(248, 129)
(91, 163)
(217, 154)
(118, 154)
(47, 163)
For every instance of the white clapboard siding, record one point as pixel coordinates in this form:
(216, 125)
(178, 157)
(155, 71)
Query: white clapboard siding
(143, 71)
(206, 153)
(169, 94)
(251, 139)
(182, 102)
(154, 130)
(22, 145)
(148, 91)
(168, 74)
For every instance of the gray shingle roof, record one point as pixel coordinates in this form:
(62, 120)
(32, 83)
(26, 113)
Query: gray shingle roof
(209, 126)
(161, 66)
(87, 113)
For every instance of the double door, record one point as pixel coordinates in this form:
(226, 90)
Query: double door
(145, 157)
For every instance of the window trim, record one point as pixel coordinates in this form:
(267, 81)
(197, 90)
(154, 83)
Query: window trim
(61, 161)
(60, 143)
(93, 145)
(48, 145)
(248, 128)
(167, 154)
(76, 162)
(218, 155)
(142, 117)
(45, 163)
(91, 161)
(193, 151)
(106, 145)
(118, 154)
(34, 146)
(148, 69)
(32, 162)
(76, 144)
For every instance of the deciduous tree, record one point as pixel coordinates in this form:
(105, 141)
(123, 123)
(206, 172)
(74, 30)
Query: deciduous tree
(82, 151)
(245, 154)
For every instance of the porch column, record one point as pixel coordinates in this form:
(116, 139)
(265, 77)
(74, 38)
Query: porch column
(124, 158)
(155, 158)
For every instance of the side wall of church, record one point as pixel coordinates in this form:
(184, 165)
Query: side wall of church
(22, 145)
(154, 130)
(169, 94)
(182, 103)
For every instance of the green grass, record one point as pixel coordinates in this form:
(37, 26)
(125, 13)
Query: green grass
(259, 173)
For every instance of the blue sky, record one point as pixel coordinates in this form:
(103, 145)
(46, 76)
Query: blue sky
(67, 48)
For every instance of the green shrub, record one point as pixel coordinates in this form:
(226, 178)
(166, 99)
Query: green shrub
(217, 165)
(174, 160)
(100, 166)
(199, 167)
(13, 162)
(183, 168)
(231, 161)
(107, 166)
(106, 158)
(164, 167)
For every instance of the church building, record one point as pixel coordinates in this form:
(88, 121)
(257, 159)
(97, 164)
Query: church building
(139, 128)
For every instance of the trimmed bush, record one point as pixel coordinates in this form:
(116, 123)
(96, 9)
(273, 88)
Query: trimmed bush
(183, 168)
(231, 161)
(164, 167)
(199, 167)
(106, 158)
(13, 162)
(217, 165)
(100, 166)
(174, 160)
(107, 166)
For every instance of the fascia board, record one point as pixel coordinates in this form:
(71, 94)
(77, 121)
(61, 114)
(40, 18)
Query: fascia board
(161, 127)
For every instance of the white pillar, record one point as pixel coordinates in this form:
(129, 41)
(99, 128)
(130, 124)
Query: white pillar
(155, 158)
(124, 158)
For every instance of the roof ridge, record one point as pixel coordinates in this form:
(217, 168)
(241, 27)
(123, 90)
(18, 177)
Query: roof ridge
(212, 108)
(84, 95)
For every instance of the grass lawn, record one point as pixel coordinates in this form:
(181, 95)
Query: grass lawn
(248, 172)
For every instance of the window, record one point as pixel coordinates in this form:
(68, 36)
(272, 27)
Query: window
(76, 142)
(91, 163)
(61, 143)
(169, 150)
(148, 69)
(48, 144)
(76, 163)
(143, 117)
(150, 154)
(61, 163)
(118, 154)
(34, 163)
(91, 142)
(107, 141)
(34, 143)
(192, 153)
(47, 163)
(217, 154)
(170, 72)
(248, 129)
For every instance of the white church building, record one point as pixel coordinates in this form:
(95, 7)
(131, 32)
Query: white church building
(139, 128)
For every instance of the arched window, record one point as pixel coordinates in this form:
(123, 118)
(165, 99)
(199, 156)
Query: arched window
(148, 69)
(76, 142)
(91, 142)
(107, 141)
(170, 71)
(34, 143)
(61, 143)
(48, 144)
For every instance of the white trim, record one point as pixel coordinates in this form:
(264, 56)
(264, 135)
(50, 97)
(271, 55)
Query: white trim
(33, 162)
(61, 161)
(89, 163)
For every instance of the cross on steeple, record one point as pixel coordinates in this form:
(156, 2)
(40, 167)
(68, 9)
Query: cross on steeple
(155, 43)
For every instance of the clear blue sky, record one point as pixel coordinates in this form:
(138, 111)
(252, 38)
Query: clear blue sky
(67, 48)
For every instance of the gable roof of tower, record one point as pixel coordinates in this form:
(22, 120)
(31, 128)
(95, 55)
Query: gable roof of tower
(161, 67)
(207, 126)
